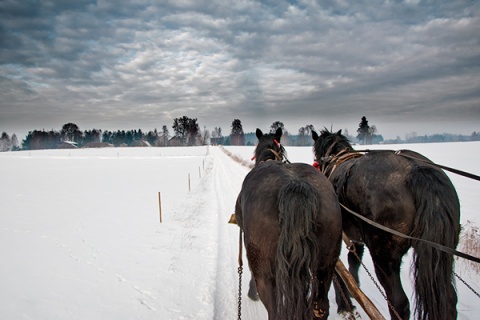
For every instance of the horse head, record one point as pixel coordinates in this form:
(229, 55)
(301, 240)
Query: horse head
(269, 147)
(329, 144)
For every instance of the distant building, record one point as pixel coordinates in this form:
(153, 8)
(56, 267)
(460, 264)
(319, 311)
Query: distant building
(67, 145)
(98, 145)
(141, 143)
(176, 142)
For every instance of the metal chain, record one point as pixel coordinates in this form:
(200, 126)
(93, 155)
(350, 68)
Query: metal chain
(240, 272)
(390, 305)
(349, 305)
(465, 283)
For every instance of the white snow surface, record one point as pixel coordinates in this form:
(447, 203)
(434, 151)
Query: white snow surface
(80, 235)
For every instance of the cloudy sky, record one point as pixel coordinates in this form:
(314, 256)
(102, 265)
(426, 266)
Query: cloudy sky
(408, 66)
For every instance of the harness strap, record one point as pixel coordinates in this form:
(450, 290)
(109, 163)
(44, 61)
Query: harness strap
(279, 156)
(330, 163)
(433, 244)
(276, 154)
(453, 170)
(456, 171)
(240, 248)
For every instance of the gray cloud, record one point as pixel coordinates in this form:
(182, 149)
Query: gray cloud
(406, 65)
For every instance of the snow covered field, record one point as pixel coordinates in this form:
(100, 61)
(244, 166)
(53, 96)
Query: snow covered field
(80, 236)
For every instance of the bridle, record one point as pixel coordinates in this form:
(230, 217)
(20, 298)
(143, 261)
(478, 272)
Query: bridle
(279, 155)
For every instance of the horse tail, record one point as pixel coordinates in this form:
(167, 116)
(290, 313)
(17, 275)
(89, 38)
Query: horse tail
(437, 220)
(297, 251)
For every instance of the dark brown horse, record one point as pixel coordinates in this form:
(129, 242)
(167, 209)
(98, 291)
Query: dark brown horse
(291, 220)
(404, 194)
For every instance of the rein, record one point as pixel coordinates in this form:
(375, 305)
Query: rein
(456, 171)
(399, 234)
(453, 170)
(344, 155)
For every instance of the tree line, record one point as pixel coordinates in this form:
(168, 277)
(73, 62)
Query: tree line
(187, 132)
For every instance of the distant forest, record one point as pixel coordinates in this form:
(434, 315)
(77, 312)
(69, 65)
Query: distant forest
(186, 132)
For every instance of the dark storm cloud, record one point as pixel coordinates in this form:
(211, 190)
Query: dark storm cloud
(129, 64)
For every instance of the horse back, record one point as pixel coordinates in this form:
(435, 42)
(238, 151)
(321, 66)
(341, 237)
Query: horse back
(265, 180)
(379, 186)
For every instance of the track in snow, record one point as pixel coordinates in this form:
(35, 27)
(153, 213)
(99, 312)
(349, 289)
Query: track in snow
(228, 178)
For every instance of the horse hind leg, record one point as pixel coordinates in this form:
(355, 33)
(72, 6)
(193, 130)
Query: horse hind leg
(321, 305)
(252, 290)
(342, 295)
(266, 292)
(387, 269)
(355, 260)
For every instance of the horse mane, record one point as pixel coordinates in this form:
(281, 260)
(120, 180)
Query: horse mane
(330, 142)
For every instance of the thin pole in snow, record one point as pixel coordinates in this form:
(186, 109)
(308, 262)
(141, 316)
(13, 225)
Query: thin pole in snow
(160, 206)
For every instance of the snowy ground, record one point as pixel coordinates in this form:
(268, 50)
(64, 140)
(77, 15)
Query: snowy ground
(80, 236)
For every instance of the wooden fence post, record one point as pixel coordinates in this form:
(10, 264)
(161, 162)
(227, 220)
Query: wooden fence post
(160, 206)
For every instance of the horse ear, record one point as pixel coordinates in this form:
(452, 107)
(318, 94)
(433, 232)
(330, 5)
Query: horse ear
(339, 132)
(259, 133)
(278, 134)
(314, 135)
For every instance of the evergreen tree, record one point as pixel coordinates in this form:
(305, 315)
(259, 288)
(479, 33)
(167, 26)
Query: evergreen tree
(139, 135)
(119, 137)
(5, 142)
(237, 136)
(42, 140)
(363, 131)
(107, 136)
(90, 136)
(129, 136)
(165, 135)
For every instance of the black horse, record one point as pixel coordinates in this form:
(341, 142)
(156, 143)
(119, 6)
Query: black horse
(291, 220)
(405, 194)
